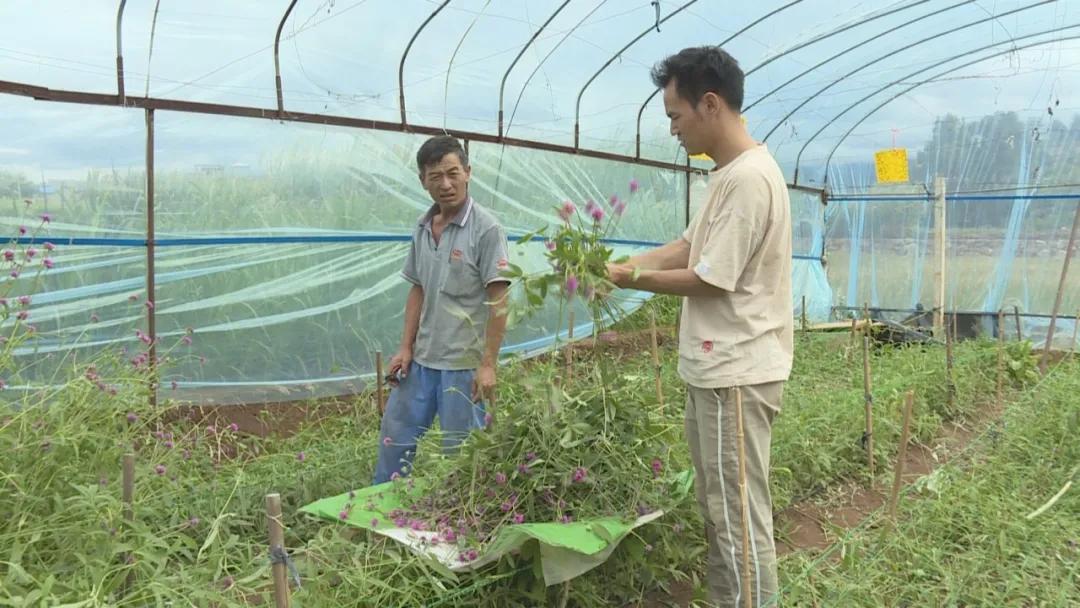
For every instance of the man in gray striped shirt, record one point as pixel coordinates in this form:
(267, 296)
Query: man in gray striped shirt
(454, 315)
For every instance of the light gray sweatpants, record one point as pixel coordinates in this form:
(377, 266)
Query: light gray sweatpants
(710, 431)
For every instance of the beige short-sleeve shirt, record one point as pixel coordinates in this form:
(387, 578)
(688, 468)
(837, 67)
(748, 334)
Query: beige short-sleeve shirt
(740, 241)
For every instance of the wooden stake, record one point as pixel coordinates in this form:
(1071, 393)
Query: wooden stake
(1019, 332)
(1000, 393)
(1060, 290)
(380, 398)
(955, 326)
(128, 502)
(868, 401)
(940, 245)
(909, 401)
(656, 359)
(949, 389)
(803, 313)
(277, 548)
(744, 501)
(854, 323)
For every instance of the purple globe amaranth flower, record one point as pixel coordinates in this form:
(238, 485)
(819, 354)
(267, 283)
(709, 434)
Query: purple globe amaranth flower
(343, 514)
(24, 300)
(48, 263)
(589, 206)
(386, 441)
(567, 211)
(301, 456)
(580, 474)
(49, 246)
(159, 469)
(597, 214)
(46, 218)
(550, 245)
(22, 230)
(30, 252)
(14, 274)
(193, 521)
(634, 185)
(500, 478)
(618, 208)
(523, 469)
(234, 427)
(506, 507)
(530, 456)
(519, 518)
(374, 523)
(565, 519)
(657, 467)
(488, 419)
(571, 285)
(186, 340)
(9, 255)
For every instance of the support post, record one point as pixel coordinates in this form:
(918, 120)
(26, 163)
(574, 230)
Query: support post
(940, 251)
(1060, 290)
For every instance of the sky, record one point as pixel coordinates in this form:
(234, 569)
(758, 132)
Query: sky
(341, 57)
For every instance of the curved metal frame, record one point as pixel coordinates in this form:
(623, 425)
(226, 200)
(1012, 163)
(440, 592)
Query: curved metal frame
(641, 110)
(277, 60)
(833, 33)
(581, 93)
(401, 66)
(935, 78)
(893, 53)
(120, 52)
(536, 34)
(854, 47)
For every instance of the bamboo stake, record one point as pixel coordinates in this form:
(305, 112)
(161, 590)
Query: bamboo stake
(1060, 290)
(1076, 325)
(1000, 394)
(656, 360)
(1019, 332)
(949, 396)
(868, 401)
(380, 398)
(909, 401)
(803, 314)
(744, 501)
(128, 501)
(569, 349)
(854, 339)
(277, 547)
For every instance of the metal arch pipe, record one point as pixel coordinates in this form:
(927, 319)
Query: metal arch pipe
(937, 76)
(581, 93)
(833, 33)
(536, 34)
(893, 53)
(641, 110)
(277, 59)
(120, 52)
(401, 66)
(853, 48)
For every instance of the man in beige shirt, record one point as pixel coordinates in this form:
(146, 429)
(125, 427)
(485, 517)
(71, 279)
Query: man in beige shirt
(733, 267)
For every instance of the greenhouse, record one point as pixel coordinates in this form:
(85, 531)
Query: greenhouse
(209, 206)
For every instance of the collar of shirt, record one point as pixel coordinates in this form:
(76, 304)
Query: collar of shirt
(459, 219)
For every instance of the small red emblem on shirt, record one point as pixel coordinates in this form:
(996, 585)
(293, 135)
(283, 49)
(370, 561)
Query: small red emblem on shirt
(457, 254)
(706, 346)
(502, 264)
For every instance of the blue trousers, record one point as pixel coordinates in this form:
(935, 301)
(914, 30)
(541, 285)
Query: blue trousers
(412, 407)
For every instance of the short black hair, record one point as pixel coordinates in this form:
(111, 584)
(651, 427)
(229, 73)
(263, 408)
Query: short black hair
(699, 70)
(434, 149)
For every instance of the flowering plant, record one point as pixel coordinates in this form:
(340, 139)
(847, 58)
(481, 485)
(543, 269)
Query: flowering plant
(578, 253)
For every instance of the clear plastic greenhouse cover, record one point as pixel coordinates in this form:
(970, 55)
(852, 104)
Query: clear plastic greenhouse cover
(279, 242)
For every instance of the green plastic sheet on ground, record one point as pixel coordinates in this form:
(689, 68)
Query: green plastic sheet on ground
(565, 550)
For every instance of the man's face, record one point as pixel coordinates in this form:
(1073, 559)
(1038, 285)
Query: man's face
(446, 181)
(687, 123)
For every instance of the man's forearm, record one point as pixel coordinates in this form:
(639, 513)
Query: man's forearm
(669, 256)
(679, 282)
(496, 323)
(413, 303)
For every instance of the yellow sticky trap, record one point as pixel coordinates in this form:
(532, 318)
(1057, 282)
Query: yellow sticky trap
(891, 166)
